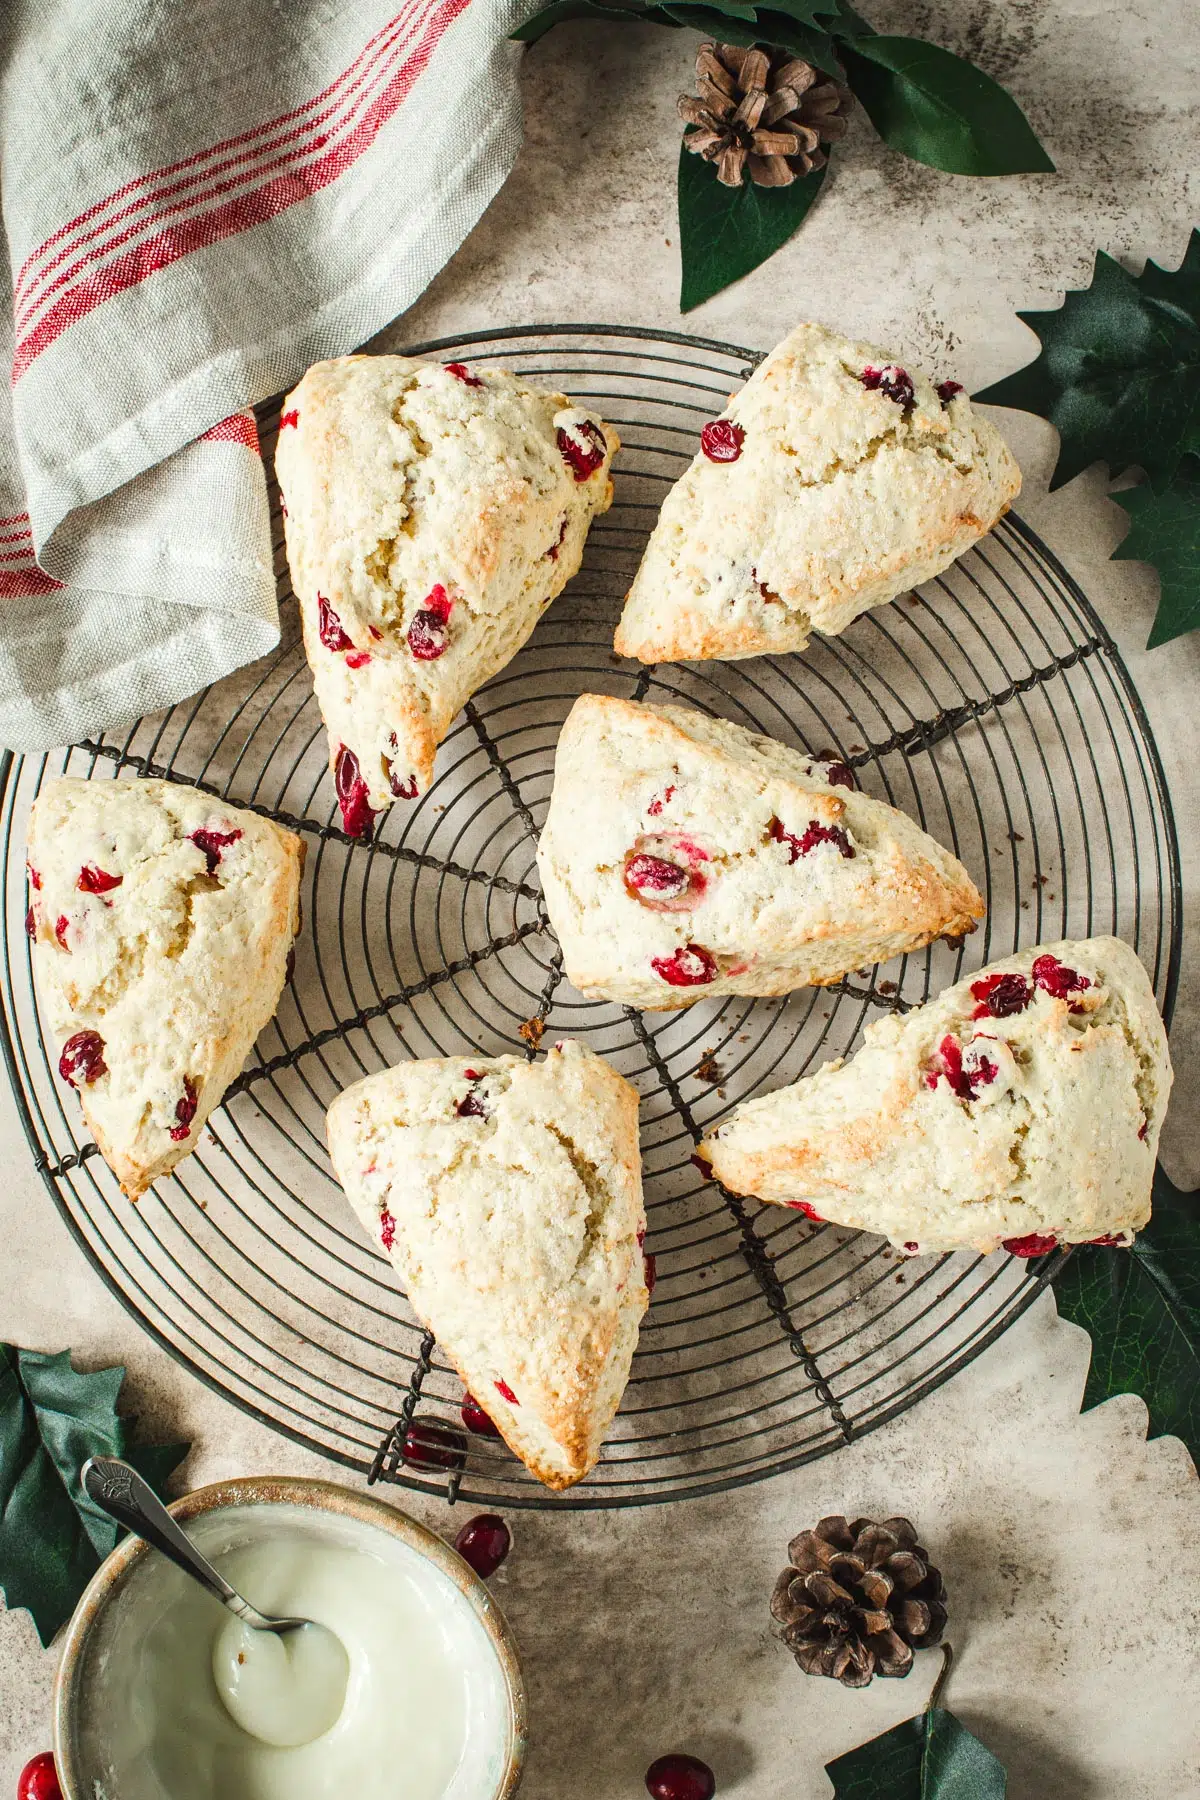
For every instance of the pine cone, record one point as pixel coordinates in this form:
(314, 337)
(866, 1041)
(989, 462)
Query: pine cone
(857, 1599)
(763, 110)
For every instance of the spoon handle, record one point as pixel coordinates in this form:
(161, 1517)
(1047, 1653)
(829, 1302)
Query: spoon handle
(120, 1491)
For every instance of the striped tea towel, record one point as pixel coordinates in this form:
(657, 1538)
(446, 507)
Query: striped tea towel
(198, 202)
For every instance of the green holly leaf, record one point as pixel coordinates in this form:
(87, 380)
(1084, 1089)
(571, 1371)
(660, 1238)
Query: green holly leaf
(1166, 532)
(52, 1537)
(560, 10)
(1118, 374)
(932, 1757)
(1142, 1309)
(769, 27)
(725, 232)
(940, 109)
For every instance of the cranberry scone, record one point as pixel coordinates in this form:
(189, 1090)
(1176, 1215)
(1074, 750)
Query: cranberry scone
(432, 514)
(684, 857)
(833, 481)
(162, 923)
(1021, 1108)
(508, 1195)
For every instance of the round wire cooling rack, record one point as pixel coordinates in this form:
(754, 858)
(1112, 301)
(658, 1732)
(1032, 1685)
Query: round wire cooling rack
(992, 706)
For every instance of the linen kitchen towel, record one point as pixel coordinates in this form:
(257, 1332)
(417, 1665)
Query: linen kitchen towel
(198, 202)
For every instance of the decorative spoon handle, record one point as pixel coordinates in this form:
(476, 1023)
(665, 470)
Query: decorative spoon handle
(120, 1491)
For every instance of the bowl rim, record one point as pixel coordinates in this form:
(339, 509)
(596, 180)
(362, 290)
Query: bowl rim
(321, 1497)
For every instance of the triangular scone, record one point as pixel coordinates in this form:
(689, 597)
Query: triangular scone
(684, 857)
(833, 481)
(432, 514)
(1021, 1107)
(509, 1197)
(162, 923)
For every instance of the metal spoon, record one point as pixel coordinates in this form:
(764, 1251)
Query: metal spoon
(120, 1491)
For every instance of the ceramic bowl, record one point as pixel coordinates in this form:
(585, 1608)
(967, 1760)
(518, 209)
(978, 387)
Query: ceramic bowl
(346, 1516)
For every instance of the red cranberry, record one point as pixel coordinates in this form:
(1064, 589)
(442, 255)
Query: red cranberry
(660, 800)
(654, 880)
(185, 1111)
(963, 1079)
(837, 773)
(946, 391)
(1113, 1240)
(476, 1420)
(1000, 996)
(506, 1393)
(61, 925)
(584, 457)
(95, 881)
(912, 1249)
(329, 627)
(893, 381)
(464, 374)
(471, 1106)
(813, 834)
(557, 545)
(30, 923)
(810, 1212)
(722, 440)
(1033, 1245)
(1055, 979)
(34, 878)
(213, 843)
(428, 635)
(1143, 1128)
(357, 815)
(38, 1780)
(484, 1542)
(430, 1444)
(387, 1229)
(82, 1058)
(649, 1271)
(403, 790)
(680, 1777)
(689, 966)
(358, 659)
(291, 417)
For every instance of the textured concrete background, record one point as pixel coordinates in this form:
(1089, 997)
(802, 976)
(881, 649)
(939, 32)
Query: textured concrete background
(1070, 1546)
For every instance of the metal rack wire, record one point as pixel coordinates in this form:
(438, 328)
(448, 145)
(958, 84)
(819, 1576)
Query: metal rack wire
(993, 707)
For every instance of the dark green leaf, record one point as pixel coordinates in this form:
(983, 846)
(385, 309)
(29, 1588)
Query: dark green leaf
(940, 109)
(1119, 370)
(769, 27)
(725, 232)
(1142, 1309)
(52, 1538)
(932, 1757)
(560, 10)
(1166, 532)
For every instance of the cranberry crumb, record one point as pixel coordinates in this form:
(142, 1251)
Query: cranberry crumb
(660, 800)
(476, 1420)
(722, 440)
(814, 833)
(691, 965)
(38, 1780)
(471, 1107)
(358, 818)
(428, 635)
(61, 925)
(946, 391)
(464, 374)
(913, 1249)
(403, 790)
(185, 1111)
(330, 629)
(1030, 1246)
(358, 659)
(892, 381)
(35, 879)
(484, 1542)
(649, 1271)
(582, 458)
(430, 1444)
(837, 773)
(387, 1229)
(1000, 996)
(1055, 979)
(291, 417)
(95, 881)
(1110, 1240)
(810, 1212)
(82, 1059)
(213, 843)
(557, 545)
(1143, 1128)
(506, 1393)
(679, 1776)
(30, 923)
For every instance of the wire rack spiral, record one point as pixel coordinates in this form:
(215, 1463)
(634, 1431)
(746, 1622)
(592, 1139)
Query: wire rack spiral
(993, 707)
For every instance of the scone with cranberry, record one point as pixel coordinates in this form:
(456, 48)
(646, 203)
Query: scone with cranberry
(162, 923)
(1020, 1108)
(684, 857)
(508, 1195)
(834, 480)
(432, 514)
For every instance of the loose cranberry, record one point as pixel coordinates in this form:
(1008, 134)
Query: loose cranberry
(660, 800)
(387, 1229)
(329, 627)
(810, 1212)
(61, 925)
(34, 878)
(813, 834)
(1000, 996)
(428, 635)
(213, 843)
(680, 1777)
(82, 1058)
(892, 381)
(557, 545)
(689, 966)
(1033, 1245)
(38, 1780)
(722, 440)
(358, 659)
(506, 1393)
(476, 1420)
(30, 923)
(582, 458)
(430, 1444)
(289, 418)
(185, 1111)
(946, 391)
(464, 374)
(96, 881)
(649, 1271)
(1055, 979)
(653, 880)
(963, 1077)
(357, 815)
(484, 1542)
(471, 1106)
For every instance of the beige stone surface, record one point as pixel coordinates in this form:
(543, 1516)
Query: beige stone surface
(1070, 1546)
